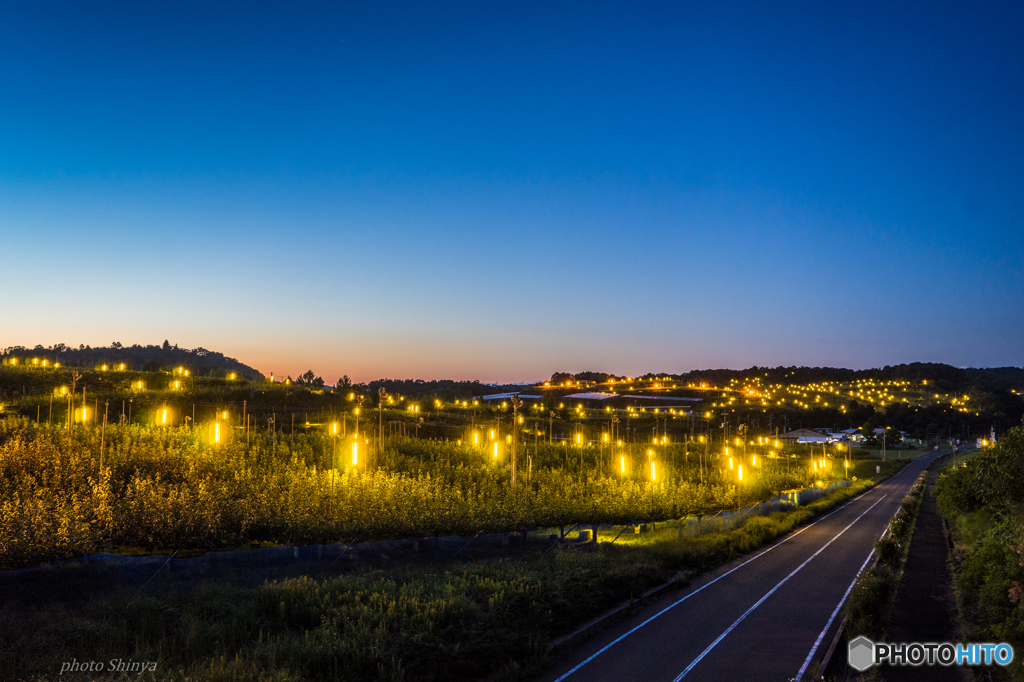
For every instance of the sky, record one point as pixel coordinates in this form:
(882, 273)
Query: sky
(502, 190)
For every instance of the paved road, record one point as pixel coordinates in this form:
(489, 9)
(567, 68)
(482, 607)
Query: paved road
(756, 618)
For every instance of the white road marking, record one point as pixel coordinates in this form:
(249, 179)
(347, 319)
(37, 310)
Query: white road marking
(772, 591)
(672, 606)
(817, 642)
(821, 636)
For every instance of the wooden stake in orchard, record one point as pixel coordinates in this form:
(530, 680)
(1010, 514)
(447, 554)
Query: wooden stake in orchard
(516, 404)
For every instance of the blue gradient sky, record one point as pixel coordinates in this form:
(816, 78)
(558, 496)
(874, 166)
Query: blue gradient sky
(502, 190)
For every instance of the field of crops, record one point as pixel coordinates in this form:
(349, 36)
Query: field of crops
(172, 488)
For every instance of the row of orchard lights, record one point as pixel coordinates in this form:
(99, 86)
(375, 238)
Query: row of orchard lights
(32, 362)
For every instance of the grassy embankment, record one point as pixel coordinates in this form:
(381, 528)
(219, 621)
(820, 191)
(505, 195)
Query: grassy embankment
(458, 621)
(982, 502)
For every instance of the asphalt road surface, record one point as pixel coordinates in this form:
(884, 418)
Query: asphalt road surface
(769, 615)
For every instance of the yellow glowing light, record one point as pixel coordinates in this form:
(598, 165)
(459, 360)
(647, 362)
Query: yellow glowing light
(476, 439)
(755, 460)
(355, 454)
(216, 432)
(653, 473)
(622, 465)
(579, 438)
(491, 434)
(334, 428)
(740, 472)
(495, 449)
(730, 462)
(606, 438)
(163, 418)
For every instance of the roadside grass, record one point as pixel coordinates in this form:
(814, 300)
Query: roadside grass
(960, 460)
(461, 621)
(904, 454)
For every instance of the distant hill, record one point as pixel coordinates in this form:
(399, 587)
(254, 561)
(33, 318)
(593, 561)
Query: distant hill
(944, 377)
(137, 357)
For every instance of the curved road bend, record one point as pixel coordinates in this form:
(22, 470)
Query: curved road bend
(756, 618)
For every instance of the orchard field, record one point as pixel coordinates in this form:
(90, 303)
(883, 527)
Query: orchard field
(162, 488)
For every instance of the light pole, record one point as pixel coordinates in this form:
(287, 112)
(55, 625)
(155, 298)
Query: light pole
(334, 461)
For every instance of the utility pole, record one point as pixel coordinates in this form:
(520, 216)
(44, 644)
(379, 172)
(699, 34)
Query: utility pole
(381, 394)
(103, 433)
(516, 403)
(71, 398)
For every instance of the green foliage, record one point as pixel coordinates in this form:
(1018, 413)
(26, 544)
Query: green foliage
(984, 507)
(991, 479)
(869, 600)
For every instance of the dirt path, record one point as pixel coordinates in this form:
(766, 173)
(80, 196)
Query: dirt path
(925, 607)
